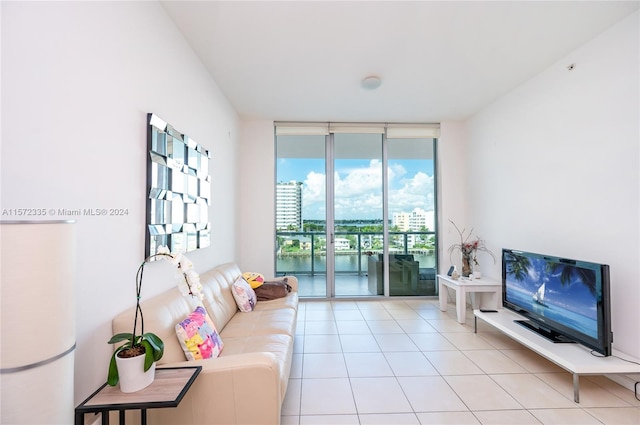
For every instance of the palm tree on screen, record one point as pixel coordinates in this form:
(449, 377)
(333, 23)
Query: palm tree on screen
(518, 266)
(570, 274)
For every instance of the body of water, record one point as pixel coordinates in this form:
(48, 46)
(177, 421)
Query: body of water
(345, 263)
(556, 313)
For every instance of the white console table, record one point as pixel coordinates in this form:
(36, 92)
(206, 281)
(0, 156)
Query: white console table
(462, 286)
(574, 358)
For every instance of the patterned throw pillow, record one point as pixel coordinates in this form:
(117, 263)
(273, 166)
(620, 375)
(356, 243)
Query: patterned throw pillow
(254, 279)
(244, 295)
(198, 336)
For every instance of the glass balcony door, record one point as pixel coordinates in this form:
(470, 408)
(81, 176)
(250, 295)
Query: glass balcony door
(355, 209)
(301, 213)
(411, 194)
(357, 206)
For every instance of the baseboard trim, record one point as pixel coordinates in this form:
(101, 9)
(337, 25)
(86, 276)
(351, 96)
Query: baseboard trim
(627, 381)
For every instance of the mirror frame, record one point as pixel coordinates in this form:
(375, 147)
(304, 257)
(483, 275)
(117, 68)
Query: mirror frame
(178, 190)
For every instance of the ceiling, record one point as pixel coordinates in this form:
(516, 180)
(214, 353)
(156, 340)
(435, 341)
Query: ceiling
(438, 61)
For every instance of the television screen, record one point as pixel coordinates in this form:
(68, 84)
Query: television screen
(565, 299)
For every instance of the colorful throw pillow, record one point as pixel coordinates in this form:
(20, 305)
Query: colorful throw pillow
(254, 279)
(198, 336)
(244, 295)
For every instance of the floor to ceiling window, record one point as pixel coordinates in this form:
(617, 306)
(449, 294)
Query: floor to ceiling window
(301, 208)
(355, 208)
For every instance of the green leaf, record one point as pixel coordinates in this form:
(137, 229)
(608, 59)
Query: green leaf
(153, 347)
(113, 378)
(157, 344)
(148, 355)
(120, 337)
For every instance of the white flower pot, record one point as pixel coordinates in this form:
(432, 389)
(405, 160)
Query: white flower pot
(132, 376)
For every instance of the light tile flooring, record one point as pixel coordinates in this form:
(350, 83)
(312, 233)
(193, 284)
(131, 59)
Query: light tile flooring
(402, 362)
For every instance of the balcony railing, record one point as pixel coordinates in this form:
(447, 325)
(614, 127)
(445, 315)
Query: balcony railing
(305, 252)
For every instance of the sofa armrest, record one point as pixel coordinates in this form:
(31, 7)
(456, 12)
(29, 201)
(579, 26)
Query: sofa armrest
(293, 282)
(241, 388)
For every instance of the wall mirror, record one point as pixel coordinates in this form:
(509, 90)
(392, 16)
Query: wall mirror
(178, 190)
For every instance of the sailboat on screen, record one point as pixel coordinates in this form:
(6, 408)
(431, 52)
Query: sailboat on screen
(538, 296)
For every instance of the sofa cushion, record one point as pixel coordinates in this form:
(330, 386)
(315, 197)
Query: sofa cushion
(244, 295)
(280, 321)
(218, 299)
(290, 301)
(281, 346)
(198, 336)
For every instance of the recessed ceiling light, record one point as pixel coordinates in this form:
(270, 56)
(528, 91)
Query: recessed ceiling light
(371, 82)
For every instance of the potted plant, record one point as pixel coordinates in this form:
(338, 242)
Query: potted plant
(133, 363)
(468, 251)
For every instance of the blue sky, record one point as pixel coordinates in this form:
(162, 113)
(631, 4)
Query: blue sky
(358, 186)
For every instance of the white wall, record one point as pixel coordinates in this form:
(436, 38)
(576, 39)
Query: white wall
(78, 79)
(256, 203)
(452, 191)
(553, 168)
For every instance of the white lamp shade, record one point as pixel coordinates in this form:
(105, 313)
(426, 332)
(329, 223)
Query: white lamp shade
(38, 324)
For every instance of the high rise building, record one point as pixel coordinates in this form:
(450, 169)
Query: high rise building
(401, 220)
(419, 219)
(289, 205)
(415, 221)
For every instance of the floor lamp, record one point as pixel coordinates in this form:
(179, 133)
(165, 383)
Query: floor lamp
(38, 325)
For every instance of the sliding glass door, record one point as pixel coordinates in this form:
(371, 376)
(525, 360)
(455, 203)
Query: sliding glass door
(301, 212)
(411, 211)
(355, 209)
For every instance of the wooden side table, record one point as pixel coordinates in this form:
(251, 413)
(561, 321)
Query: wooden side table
(167, 390)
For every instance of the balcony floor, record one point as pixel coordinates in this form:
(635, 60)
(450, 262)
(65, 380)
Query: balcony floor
(346, 286)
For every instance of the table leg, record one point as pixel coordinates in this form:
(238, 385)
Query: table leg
(576, 388)
(442, 296)
(475, 299)
(461, 304)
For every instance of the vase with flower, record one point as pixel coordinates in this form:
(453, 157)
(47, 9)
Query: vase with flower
(133, 363)
(468, 249)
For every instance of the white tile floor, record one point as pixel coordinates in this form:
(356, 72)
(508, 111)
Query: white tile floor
(401, 362)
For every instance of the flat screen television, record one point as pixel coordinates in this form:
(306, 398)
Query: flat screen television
(561, 299)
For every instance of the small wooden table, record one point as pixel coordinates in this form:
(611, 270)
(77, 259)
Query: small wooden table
(167, 390)
(462, 286)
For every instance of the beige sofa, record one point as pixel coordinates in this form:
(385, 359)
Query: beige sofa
(247, 383)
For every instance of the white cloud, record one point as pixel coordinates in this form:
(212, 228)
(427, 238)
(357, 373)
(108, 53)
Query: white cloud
(395, 170)
(358, 192)
(313, 189)
(413, 192)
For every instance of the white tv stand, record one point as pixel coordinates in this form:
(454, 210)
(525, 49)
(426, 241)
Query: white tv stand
(574, 358)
